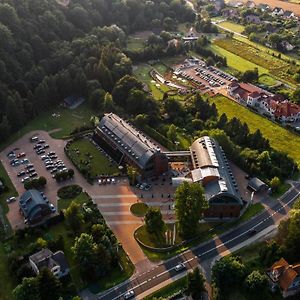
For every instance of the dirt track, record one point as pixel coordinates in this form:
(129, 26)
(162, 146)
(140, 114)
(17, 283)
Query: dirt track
(276, 3)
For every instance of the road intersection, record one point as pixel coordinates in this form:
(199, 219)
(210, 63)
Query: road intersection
(208, 250)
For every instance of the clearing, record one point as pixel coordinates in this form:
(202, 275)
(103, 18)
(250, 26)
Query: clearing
(232, 26)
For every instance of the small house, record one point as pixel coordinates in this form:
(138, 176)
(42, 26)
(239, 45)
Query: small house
(277, 11)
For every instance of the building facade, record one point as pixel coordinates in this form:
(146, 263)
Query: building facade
(129, 146)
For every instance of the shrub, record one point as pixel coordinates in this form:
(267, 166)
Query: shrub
(36, 183)
(69, 191)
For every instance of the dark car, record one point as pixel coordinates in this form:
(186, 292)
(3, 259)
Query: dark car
(41, 142)
(46, 146)
(37, 146)
(34, 174)
(21, 173)
(41, 152)
(252, 232)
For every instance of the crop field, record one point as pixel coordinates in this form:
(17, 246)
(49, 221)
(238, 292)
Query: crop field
(236, 62)
(277, 67)
(280, 138)
(232, 26)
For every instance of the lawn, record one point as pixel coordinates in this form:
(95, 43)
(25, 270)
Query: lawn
(141, 72)
(161, 68)
(65, 124)
(236, 62)
(135, 43)
(267, 80)
(64, 203)
(232, 26)
(280, 139)
(84, 154)
(169, 290)
(139, 209)
(276, 66)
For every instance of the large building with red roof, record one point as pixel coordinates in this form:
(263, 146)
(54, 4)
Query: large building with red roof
(276, 106)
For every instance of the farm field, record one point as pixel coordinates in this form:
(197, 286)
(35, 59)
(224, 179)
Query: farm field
(236, 62)
(280, 138)
(232, 26)
(276, 66)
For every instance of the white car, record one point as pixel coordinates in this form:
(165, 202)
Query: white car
(25, 179)
(52, 208)
(180, 267)
(129, 294)
(11, 199)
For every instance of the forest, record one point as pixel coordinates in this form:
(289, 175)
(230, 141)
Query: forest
(49, 51)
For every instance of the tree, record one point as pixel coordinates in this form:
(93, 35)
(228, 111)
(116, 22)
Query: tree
(27, 290)
(250, 76)
(195, 284)
(172, 133)
(190, 204)
(132, 173)
(154, 221)
(228, 272)
(74, 216)
(275, 183)
(49, 286)
(256, 283)
(296, 94)
(41, 243)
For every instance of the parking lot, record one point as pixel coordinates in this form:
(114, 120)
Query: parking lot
(204, 78)
(25, 163)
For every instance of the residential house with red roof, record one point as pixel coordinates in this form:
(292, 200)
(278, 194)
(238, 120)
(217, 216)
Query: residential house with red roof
(286, 277)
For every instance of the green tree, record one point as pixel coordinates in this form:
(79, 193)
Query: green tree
(227, 273)
(132, 173)
(172, 133)
(256, 283)
(190, 204)
(74, 216)
(275, 183)
(27, 290)
(195, 284)
(49, 286)
(154, 221)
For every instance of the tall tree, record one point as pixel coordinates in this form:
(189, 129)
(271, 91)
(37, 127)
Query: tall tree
(190, 204)
(74, 216)
(27, 290)
(49, 286)
(154, 221)
(195, 284)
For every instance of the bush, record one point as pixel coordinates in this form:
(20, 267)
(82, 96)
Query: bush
(69, 191)
(36, 183)
(61, 176)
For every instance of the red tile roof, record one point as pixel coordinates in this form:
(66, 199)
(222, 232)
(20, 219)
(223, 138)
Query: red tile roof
(285, 108)
(286, 273)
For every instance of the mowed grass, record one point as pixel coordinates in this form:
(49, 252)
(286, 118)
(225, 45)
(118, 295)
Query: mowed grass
(141, 72)
(65, 124)
(280, 138)
(232, 26)
(65, 203)
(135, 43)
(83, 151)
(236, 62)
(267, 80)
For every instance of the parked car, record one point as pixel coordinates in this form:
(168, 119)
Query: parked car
(22, 154)
(34, 174)
(52, 208)
(25, 179)
(46, 146)
(34, 139)
(21, 173)
(147, 187)
(252, 232)
(29, 166)
(41, 142)
(11, 199)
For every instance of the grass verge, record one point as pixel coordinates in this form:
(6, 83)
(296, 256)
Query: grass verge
(139, 209)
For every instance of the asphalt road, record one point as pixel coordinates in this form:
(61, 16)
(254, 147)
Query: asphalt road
(191, 258)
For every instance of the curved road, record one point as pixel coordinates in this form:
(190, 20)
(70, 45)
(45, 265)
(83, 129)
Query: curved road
(208, 250)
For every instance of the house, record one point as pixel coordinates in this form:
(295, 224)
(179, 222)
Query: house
(253, 19)
(285, 111)
(286, 277)
(288, 14)
(287, 46)
(211, 168)
(73, 102)
(127, 145)
(235, 3)
(257, 185)
(250, 4)
(230, 13)
(191, 36)
(277, 11)
(55, 262)
(263, 7)
(33, 206)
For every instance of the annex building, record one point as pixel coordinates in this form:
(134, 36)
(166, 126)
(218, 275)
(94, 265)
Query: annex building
(212, 170)
(127, 145)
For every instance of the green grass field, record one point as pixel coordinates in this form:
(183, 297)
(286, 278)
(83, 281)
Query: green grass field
(135, 43)
(267, 80)
(139, 209)
(68, 121)
(280, 138)
(88, 153)
(64, 203)
(232, 26)
(236, 62)
(141, 71)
